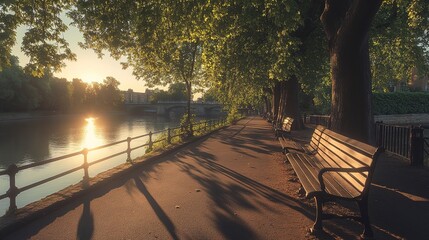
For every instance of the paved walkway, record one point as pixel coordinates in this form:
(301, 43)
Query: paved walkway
(231, 185)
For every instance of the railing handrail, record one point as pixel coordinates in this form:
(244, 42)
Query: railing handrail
(13, 169)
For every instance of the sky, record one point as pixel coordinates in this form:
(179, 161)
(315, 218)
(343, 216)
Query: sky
(88, 66)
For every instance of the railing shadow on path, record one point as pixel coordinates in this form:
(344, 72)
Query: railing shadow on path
(85, 228)
(86, 222)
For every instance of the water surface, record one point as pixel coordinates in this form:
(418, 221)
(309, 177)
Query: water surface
(26, 141)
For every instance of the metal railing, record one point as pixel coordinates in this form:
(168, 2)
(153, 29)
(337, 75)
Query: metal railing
(394, 138)
(169, 134)
(426, 143)
(324, 120)
(407, 141)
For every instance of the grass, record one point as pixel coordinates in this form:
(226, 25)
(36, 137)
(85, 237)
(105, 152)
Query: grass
(177, 134)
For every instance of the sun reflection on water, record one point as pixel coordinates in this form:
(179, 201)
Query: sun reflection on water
(91, 139)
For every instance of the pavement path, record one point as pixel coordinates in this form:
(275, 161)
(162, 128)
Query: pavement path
(227, 186)
(233, 185)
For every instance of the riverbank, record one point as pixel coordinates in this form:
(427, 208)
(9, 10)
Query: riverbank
(21, 116)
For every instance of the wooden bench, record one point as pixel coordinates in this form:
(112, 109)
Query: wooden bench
(302, 146)
(340, 168)
(268, 117)
(284, 128)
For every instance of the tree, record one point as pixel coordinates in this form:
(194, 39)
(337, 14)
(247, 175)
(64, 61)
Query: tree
(94, 100)
(60, 97)
(43, 41)
(78, 94)
(110, 94)
(177, 92)
(11, 80)
(290, 69)
(211, 95)
(400, 42)
(347, 25)
(160, 40)
(250, 49)
(158, 95)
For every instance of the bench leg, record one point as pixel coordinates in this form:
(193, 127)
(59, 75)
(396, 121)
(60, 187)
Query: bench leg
(363, 207)
(285, 150)
(317, 226)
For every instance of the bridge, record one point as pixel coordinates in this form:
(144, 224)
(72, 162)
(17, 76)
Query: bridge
(165, 108)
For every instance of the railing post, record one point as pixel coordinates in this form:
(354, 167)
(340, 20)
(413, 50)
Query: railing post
(13, 191)
(169, 136)
(85, 166)
(417, 146)
(150, 140)
(129, 149)
(379, 133)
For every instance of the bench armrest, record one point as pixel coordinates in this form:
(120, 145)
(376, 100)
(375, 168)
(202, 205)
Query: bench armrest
(349, 170)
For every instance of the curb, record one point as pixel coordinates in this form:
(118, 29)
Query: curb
(67, 195)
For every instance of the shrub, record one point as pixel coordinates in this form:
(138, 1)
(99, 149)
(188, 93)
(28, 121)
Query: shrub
(400, 103)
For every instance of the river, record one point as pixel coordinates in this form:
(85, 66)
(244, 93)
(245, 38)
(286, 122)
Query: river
(27, 141)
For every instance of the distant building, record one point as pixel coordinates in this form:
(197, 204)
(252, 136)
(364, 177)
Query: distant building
(137, 97)
(418, 82)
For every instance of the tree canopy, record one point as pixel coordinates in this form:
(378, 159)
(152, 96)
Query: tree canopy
(21, 91)
(247, 52)
(400, 42)
(43, 41)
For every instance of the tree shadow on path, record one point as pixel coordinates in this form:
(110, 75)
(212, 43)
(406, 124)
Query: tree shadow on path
(162, 216)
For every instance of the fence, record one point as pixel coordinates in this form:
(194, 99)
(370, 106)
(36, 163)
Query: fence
(324, 120)
(407, 141)
(426, 143)
(164, 135)
(411, 142)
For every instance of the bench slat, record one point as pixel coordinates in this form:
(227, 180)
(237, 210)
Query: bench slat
(346, 152)
(307, 169)
(344, 166)
(315, 138)
(361, 147)
(305, 175)
(337, 184)
(337, 151)
(332, 160)
(357, 179)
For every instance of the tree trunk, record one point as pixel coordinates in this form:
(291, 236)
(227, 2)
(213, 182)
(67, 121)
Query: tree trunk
(188, 109)
(351, 109)
(292, 109)
(267, 105)
(276, 100)
(346, 24)
(282, 102)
